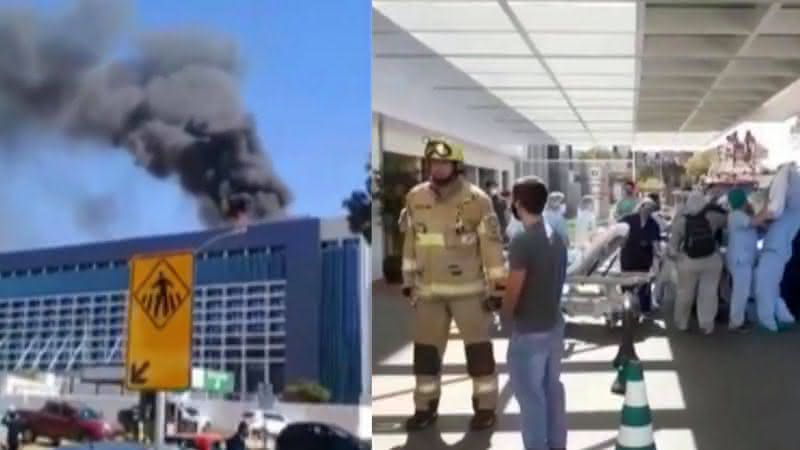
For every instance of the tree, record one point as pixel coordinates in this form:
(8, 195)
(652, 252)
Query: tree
(698, 164)
(359, 206)
(646, 172)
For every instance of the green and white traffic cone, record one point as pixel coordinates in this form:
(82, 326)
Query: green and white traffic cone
(636, 429)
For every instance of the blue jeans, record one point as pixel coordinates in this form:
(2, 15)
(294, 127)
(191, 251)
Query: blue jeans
(534, 361)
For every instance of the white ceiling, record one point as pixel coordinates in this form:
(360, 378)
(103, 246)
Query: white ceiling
(596, 72)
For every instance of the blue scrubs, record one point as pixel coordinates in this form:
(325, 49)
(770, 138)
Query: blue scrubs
(775, 254)
(740, 258)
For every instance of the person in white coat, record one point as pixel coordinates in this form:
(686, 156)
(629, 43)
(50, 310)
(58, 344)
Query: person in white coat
(585, 222)
(554, 215)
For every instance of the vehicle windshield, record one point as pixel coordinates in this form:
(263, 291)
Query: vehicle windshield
(88, 414)
(190, 410)
(249, 415)
(274, 416)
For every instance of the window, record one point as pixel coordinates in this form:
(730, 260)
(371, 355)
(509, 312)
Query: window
(234, 290)
(256, 289)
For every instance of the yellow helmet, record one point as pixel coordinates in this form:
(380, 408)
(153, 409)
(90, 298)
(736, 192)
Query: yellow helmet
(442, 150)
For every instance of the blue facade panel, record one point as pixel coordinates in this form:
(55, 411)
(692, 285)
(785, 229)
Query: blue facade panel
(288, 251)
(340, 355)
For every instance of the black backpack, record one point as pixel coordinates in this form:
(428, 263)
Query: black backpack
(700, 240)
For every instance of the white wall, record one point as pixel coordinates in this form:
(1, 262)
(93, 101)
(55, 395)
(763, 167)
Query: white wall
(408, 139)
(377, 231)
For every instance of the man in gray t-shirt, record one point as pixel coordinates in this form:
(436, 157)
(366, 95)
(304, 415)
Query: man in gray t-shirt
(541, 253)
(537, 260)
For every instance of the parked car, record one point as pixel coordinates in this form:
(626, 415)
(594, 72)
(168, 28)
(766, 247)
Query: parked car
(190, 418)
(264, 423)
(106, 446)
(318, 436)
(64, 420)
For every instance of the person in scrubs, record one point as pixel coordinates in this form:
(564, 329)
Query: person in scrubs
(554, 215)
(773, 313)
(641, 248)
(585, 222)
(740, 256)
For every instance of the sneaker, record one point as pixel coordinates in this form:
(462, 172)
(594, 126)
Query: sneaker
(483, 419)
(421, 420)
(767, 330)
(741, 329)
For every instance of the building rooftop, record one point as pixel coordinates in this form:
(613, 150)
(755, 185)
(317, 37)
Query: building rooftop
(256, 235)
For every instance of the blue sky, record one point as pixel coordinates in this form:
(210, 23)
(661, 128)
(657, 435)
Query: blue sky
(307, 81)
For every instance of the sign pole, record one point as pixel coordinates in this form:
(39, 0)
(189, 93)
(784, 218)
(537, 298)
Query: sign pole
(160, 425)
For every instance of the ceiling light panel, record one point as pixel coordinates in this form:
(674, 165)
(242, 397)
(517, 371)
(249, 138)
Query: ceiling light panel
(597, 81)
(570, 16)
(445, 16)
(474, 43)
(543, 104)
(526, 95)
(563, 127)
(620, 138)
(500, 80)
(550, 44)
(601, 94)
(610, 126)
(497, 65)
(572, 138)
(607, 115)
(549, 115)
(581, 66)
(601, 103)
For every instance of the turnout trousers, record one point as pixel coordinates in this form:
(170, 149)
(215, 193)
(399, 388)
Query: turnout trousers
(432, 319)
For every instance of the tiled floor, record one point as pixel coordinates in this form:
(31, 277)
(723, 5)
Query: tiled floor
(724, 392)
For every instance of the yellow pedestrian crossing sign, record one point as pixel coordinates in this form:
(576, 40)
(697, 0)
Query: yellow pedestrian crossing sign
(159, 346)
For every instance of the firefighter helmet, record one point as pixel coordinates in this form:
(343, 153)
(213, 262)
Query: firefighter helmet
(442, 150)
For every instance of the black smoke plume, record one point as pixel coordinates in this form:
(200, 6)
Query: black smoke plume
(173, 101)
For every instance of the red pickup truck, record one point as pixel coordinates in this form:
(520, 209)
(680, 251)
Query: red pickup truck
(64, 420)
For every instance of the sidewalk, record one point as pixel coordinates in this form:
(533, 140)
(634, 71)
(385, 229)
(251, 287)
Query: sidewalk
(724, 392)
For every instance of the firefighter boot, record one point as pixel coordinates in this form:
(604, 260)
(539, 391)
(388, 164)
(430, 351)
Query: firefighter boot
(482, 419)
(423, 418)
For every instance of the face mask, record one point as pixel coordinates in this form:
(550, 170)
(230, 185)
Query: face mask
(562, 209)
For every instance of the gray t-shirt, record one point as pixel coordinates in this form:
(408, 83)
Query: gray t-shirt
(541, 252)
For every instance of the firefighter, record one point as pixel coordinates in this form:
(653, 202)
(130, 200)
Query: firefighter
(453, 269)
